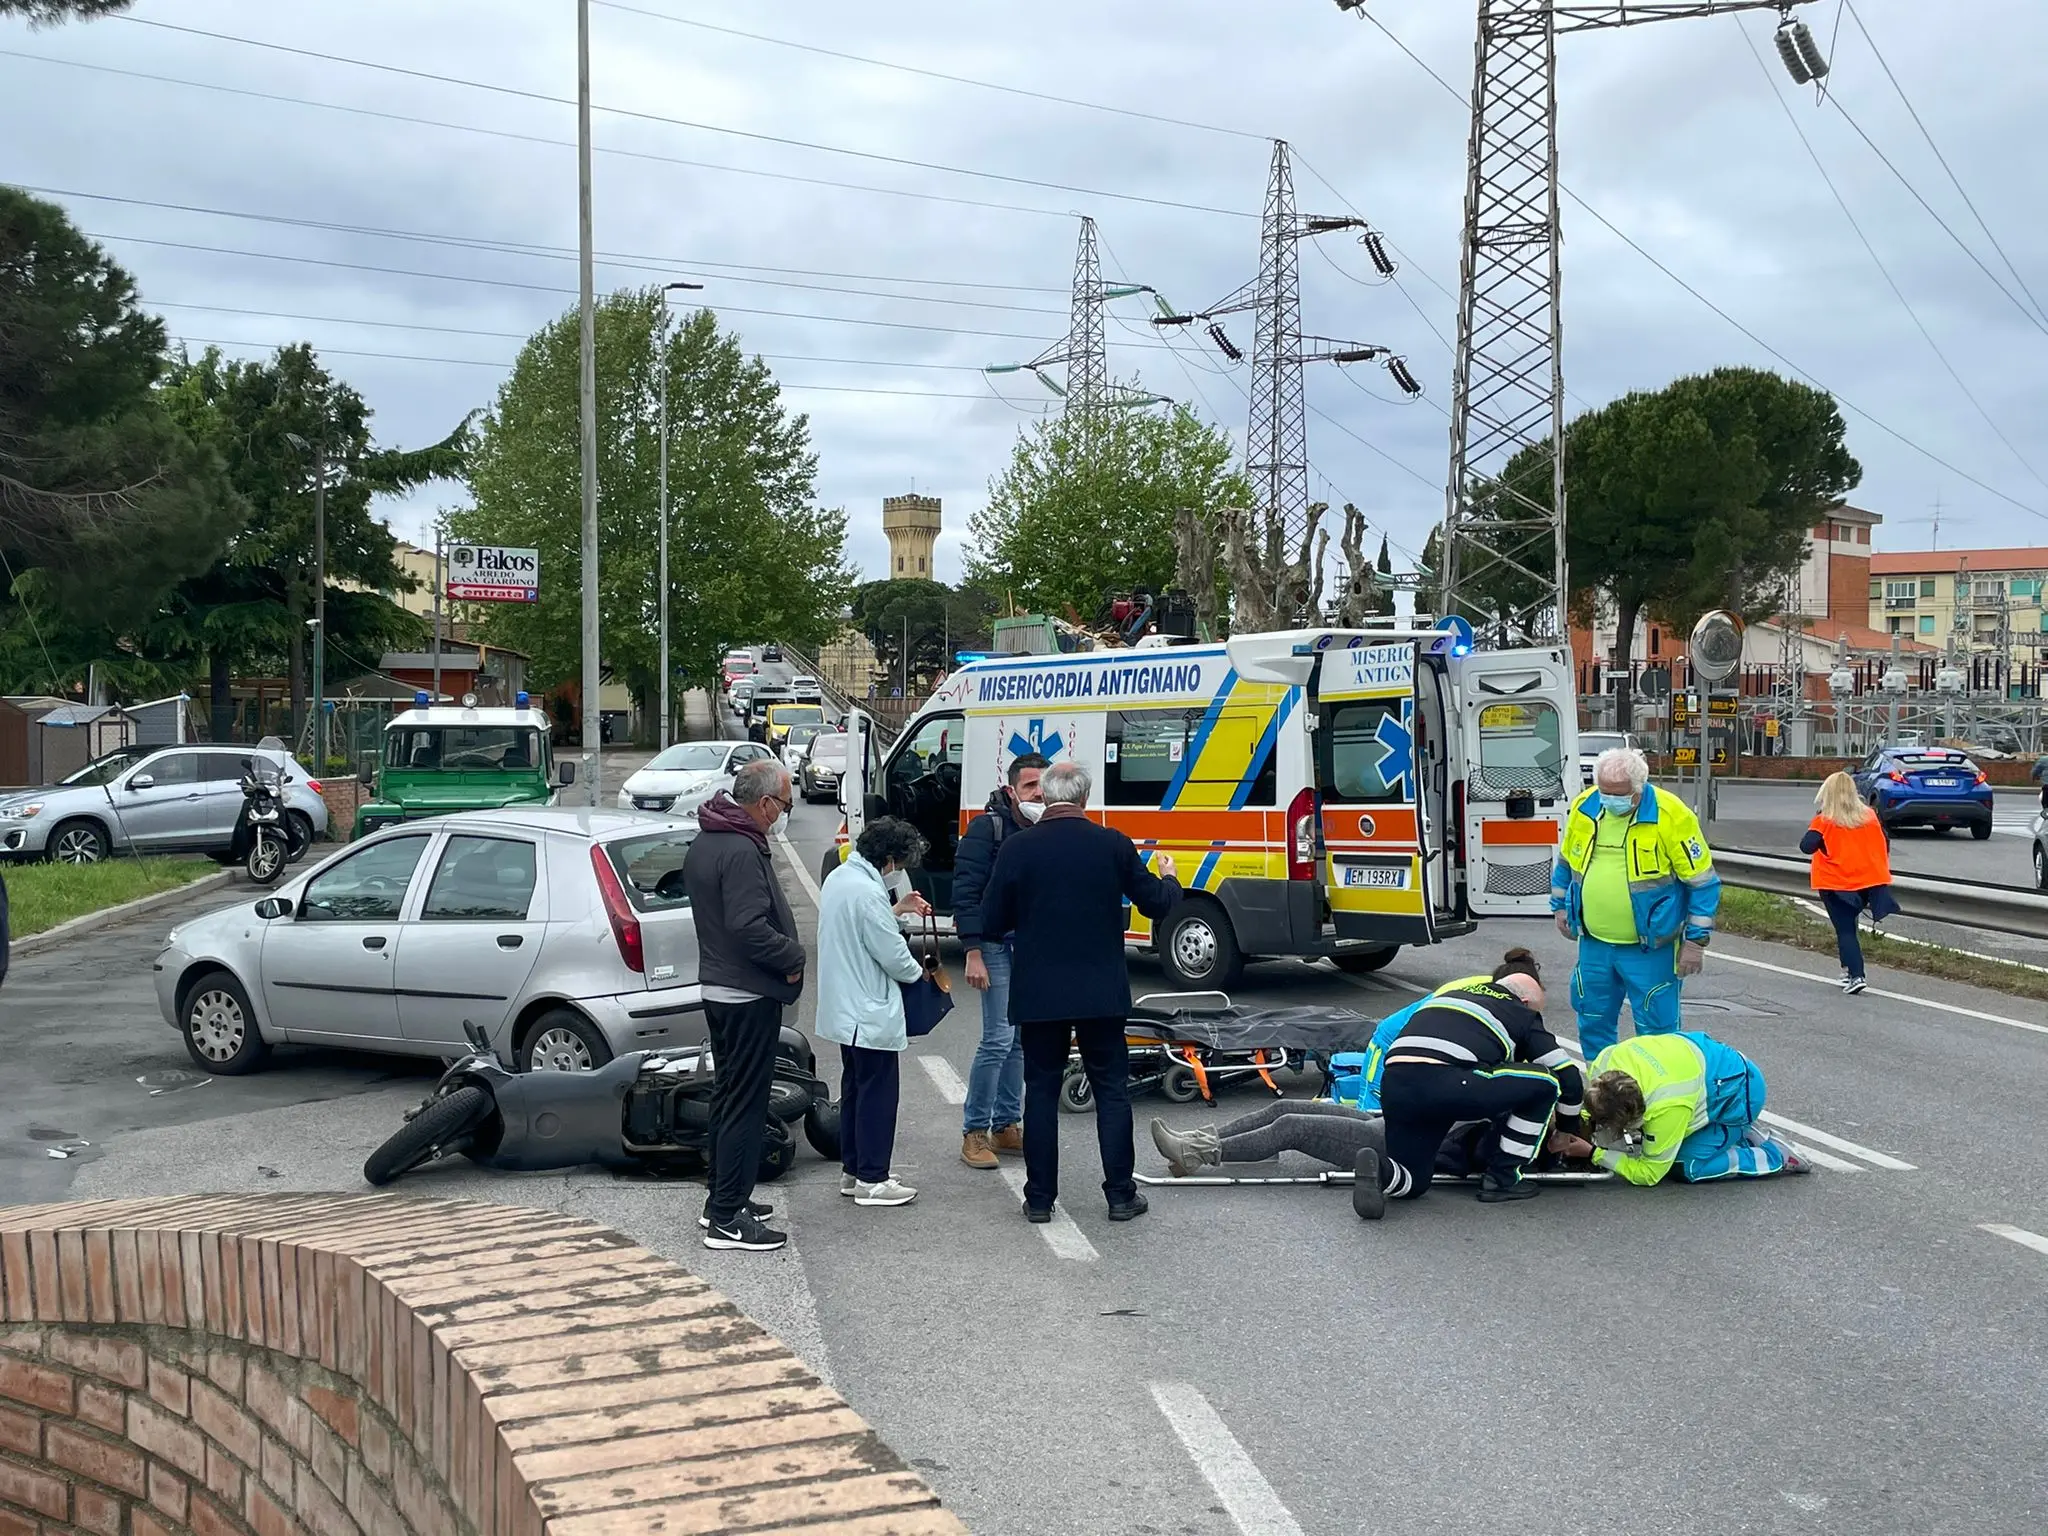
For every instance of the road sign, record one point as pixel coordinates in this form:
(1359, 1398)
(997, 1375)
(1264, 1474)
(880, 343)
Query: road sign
(1689, 757)
(1716, 648)
(1723, 706)
(1655, 682)
(492, 573)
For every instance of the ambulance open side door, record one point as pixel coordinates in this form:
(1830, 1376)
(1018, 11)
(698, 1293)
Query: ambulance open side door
(862, 770)
(1517, 715)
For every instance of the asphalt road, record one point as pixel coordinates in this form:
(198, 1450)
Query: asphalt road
(1856, 1354)
(1769, 818)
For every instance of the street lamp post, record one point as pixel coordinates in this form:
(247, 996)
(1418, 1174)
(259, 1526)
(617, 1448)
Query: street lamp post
(318, 734)
(661, 363)
(593, 715)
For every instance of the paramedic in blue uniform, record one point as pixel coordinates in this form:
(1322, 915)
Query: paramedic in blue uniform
(1478, 1051)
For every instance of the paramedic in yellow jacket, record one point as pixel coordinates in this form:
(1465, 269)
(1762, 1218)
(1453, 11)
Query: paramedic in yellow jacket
(1634, 883)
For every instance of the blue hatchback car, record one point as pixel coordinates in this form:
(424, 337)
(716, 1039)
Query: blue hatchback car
(1934, 787)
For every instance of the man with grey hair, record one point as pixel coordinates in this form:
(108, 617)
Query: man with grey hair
(1634, 884)
(750, 965)
(1060, 887)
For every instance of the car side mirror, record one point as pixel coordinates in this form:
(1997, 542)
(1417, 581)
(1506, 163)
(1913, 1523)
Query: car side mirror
(274, 906)
(565, 774)
(143, 781)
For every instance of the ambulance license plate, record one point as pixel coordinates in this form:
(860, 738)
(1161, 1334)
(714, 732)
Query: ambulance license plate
(1376, 877)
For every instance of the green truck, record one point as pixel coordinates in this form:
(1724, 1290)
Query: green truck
(459, 757)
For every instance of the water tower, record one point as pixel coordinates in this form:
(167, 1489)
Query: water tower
(912, 524)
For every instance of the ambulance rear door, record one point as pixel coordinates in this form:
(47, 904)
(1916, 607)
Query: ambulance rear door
(1518, 730)
(1367, 783)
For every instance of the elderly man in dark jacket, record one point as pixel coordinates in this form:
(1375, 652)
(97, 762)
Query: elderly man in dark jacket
(995, 1083)
(1060, 888)
(750, 964)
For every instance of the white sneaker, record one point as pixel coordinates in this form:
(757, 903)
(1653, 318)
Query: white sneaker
(888, 1192)
(849, 1186)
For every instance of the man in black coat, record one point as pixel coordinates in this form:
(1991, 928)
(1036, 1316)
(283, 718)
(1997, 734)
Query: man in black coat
(1060, 888)
(750, 964)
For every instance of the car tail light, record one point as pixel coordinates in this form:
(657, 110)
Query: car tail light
(1896, 777)
(1983, 777)
(313, 785)
(1301, 836)
(625, 923)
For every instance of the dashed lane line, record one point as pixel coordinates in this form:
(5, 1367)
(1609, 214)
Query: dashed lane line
(944, 1078)
(1254, 1508)
(1060, 1234)
(2020, 1235)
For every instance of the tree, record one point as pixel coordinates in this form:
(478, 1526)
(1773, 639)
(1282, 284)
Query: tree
(936, 618)
(272, 421)
(1697, 496)
(99, 489)
(750, 555)
(1384, 589)
(50, 13)
(1088, 503)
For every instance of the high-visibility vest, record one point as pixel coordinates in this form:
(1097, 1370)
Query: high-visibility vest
(1851, 858)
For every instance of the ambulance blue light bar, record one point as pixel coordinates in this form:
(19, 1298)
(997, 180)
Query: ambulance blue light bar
(519, 700)
(420, 699)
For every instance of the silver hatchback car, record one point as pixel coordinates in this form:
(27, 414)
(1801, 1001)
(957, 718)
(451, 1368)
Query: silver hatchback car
(565, 934)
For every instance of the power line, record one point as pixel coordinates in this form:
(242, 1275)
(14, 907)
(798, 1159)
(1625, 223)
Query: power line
(1954, 181)
(632, 114)
(1892, 283)
(1615, 230)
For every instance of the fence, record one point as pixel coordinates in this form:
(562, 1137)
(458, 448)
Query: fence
(1964, 903)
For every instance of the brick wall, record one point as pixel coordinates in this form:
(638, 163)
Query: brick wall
(343, 795)
(300, 1365)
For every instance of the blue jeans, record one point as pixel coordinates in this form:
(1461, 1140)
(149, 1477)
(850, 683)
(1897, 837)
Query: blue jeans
(1608, 975)
(995, 1083)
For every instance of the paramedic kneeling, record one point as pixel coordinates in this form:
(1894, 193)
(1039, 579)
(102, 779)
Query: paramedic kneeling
(1635, 885)
(1682, 1101)
(1475, 1052)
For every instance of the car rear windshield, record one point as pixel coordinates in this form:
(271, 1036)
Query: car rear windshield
(453, 748)
(691, 757)
(792, 714)
(1935, 762)
(799, 734)
(829, 749)
(650, 865)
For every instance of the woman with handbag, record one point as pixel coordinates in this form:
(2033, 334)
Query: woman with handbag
(1852, 868)
(864, 965)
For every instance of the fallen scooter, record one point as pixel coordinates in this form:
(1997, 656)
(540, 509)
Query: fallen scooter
(645, 1110)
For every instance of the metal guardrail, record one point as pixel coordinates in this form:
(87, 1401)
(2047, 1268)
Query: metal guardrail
(1963, 903)
(884, 731)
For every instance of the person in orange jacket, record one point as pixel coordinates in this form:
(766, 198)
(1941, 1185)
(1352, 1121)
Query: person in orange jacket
(1852, 868)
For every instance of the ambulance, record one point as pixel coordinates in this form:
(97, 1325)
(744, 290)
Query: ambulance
(1324, 792)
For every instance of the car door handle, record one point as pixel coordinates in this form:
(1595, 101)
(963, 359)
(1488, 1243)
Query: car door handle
(374, 941)
(511, 940)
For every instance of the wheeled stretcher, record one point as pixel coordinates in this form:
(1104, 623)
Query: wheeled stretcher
(1186, 1045)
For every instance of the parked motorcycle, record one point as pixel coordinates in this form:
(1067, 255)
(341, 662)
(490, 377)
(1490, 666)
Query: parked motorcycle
(646, 1110)
(263, 837)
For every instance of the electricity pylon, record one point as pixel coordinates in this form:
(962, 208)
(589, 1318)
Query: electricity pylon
(1276, 444)
(1507, 393)
(1083, 353)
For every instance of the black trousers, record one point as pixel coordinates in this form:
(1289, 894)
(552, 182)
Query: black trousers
(1107, 1061)
(870, 1086)
(743, 1040)
(1422, 1103)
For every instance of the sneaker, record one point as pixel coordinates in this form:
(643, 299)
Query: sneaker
(1854, 985)
(888, 1192)
(1186, 1152)
(1368, 1199)
(745, 1234)
(755, 1209)
(1038, 1215)
(1795, 1162)
(1493, 1191)
(975, 1150)
(1129, 1210)
(1008, 1140)
(849, 1186)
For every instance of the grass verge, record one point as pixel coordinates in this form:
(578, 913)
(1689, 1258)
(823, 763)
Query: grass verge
(40, 896)
(1777, 919)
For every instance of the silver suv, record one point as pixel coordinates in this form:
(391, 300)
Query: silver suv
(564, 934)
(153, 800)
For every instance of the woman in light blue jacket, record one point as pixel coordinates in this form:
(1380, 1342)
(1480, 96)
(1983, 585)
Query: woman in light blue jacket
(862, 960)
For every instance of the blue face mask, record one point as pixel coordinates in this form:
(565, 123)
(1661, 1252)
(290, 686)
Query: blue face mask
(1617, 805)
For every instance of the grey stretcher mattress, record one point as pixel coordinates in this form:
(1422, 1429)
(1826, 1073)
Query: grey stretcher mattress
(1321, 1030)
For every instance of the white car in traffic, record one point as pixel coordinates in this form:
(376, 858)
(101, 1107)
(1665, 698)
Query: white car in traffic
(682, 777)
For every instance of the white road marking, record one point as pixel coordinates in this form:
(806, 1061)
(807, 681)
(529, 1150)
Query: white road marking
(1833, 984)
(2020, 1235)
(1877, 1159)
(1826, 1159)
(1060, 1234)
(1228, 1469)
(944, 1078)
(795, 863)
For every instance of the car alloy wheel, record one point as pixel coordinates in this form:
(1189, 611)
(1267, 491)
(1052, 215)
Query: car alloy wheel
(559, 1050)
(216, 1022)
(2040, 869)
(78, 845)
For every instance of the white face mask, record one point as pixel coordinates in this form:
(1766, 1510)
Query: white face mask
(1031, 810)
(781, 827)
(898, 883)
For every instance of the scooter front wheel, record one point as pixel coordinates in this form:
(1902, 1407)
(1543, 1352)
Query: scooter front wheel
(268, 855)
(444, 1127)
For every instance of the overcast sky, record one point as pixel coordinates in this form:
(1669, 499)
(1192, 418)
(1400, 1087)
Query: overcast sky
(1674, 132)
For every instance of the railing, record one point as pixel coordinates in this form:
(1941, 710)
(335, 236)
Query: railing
(1964, 903)
(879, 711)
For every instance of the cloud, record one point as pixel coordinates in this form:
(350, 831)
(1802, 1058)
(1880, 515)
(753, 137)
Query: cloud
(1672, 132)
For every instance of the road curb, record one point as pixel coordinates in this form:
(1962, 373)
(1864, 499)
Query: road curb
(107, 916)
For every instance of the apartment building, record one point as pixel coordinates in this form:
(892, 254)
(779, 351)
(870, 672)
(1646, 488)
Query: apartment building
(1989, 599)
